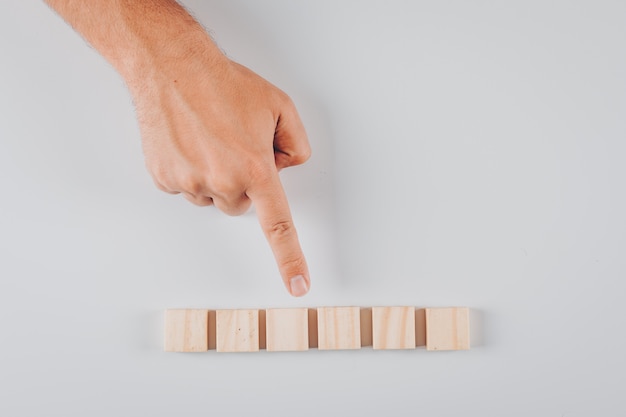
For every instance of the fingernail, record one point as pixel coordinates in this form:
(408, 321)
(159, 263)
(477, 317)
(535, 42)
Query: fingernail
(298, 286)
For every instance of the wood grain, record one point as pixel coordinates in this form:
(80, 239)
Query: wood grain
(447, 328)
(393, 327)
(287, 329)
(186, 330)
(325, 328)
(338, 328)
(237, 330)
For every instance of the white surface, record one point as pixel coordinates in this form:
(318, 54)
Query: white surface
(465, 153)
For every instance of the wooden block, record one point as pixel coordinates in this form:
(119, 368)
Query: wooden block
(393, 327)
(186, 330)
(447, 328)
(287, 329)
(338, 328)
(237, 330)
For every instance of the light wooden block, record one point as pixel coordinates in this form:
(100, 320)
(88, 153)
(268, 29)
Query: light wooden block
(393, 327)
(237, 330)
(186, 330)
(447, 328)
(338, 328)
(287, 329)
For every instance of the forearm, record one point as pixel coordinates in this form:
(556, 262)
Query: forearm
(137, 35)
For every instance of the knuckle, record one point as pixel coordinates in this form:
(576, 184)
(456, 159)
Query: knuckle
(198, 201)
(161, 187)
(233, 208)
(293, 264)
(284, 98)
(158, 173)
(162, 183)
(302, 155)
(190, 184)
(281, 229)
(224, 186)
(261, 172)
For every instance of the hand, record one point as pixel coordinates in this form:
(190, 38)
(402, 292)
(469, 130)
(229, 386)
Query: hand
(211, 129)
(218, 133)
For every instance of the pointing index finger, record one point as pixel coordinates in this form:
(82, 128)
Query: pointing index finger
(274, 216)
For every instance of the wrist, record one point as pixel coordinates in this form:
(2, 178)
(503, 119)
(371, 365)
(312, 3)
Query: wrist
(163, 54)
(161, 46)
(139, 36)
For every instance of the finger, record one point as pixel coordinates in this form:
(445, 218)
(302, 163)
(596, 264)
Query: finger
(291, 144)
(275, 219)
(164, 188)
(233, 207)
(198, 200)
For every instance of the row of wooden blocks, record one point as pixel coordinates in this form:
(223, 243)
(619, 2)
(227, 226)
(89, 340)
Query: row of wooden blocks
(325, 328)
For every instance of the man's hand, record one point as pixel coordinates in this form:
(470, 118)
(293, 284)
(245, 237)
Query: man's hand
(212, 130)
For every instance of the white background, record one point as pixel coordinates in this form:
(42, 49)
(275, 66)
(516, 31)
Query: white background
(465, 153)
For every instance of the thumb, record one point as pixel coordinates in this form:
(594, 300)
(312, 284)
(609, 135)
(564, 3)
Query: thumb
(274, 216)
(291, 145)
